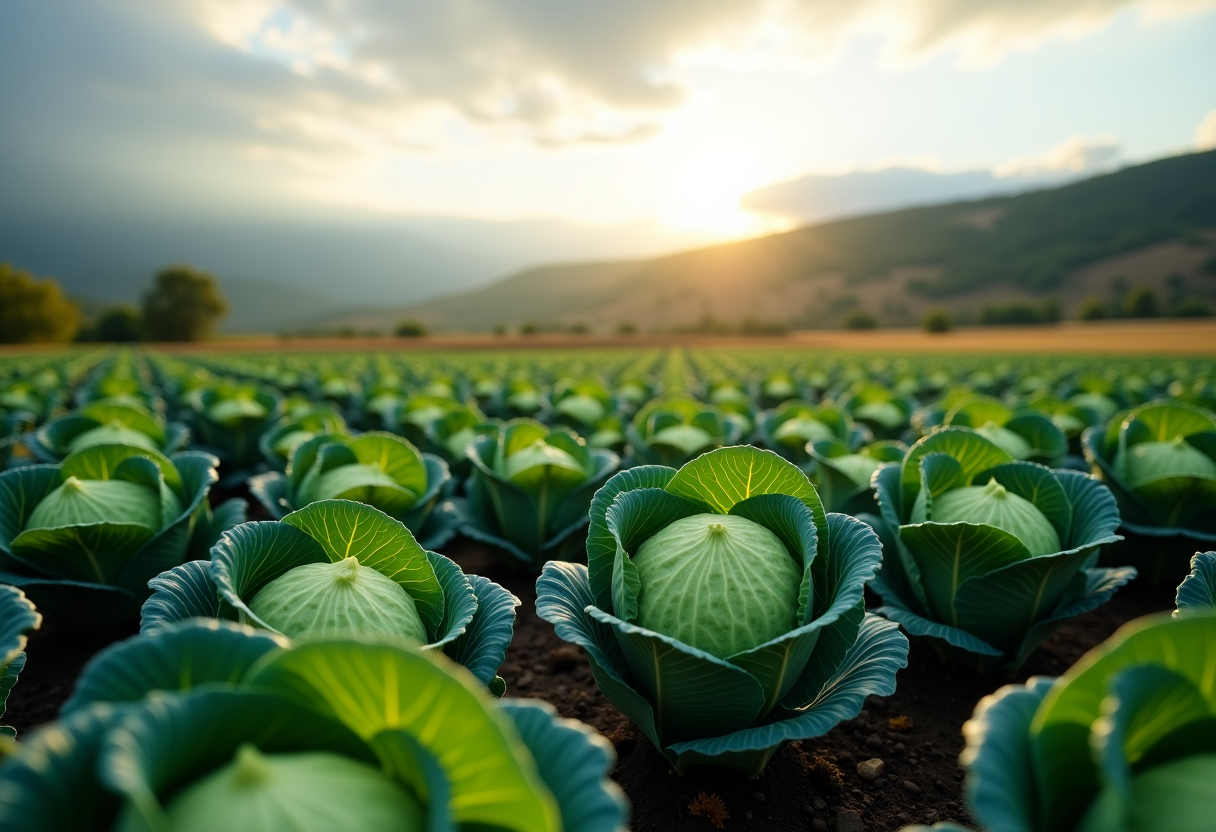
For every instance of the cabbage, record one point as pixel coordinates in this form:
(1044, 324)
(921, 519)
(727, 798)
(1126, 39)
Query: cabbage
(717, 582)
(523, 466)
(304, 792)
(857, 467)
(113, 433)
(801, 430)
(1175, 458)
(687, 438)
(886, 414)
(363, 484)
(1176, 796)
(1005, 439)
(584, 408)
(319, 600)
(79, 502)
(993, 505)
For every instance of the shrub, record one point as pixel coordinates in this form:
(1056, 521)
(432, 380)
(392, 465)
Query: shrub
(410, 329)
(937, 320)
(1140, 302)
(860, 319)
(1093, 309)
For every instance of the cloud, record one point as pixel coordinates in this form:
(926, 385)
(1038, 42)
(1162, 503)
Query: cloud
(1205, 133)
(435, 73)
(1074, 156)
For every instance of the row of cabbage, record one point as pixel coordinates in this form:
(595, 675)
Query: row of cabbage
(766, 639)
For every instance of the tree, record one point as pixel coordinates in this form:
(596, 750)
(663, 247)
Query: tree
(937, 320)
(1093, 309)
(1140, 302)
(860, 319)
(411, 329)
(120, 324)
(184, 304)
(34, 311)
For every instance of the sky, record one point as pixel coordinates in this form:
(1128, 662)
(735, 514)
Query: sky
(588, 111)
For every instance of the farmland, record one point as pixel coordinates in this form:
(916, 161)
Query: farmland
(525, 509)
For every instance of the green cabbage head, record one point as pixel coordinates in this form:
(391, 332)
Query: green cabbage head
(1159, 459)
(213, 725)
(84, 537)
(106, 422)
(375, 468)
(530, 488)
(721, 608)
(985, 555)
(1122, 742)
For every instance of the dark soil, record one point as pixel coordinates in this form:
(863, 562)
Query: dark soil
(812, 785)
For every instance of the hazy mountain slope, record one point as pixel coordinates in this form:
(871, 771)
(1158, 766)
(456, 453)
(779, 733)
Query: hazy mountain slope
(814, 199)
(894, 265)
(267, 306)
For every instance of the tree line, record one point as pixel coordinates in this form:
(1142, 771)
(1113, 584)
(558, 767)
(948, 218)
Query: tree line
(182, 304)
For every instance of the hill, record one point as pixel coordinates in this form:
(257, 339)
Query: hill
(1152, 224)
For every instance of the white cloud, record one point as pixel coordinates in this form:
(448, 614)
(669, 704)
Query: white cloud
(561, 72)
(1205, 133)
(1076, 155)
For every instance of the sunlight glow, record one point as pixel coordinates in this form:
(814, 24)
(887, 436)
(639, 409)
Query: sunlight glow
(707, 196)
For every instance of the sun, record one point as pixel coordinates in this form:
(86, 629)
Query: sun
(707, 194)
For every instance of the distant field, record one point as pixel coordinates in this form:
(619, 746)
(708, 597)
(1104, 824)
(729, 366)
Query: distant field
(1171, 337)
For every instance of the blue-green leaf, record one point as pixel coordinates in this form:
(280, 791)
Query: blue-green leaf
(1067, 776)
(574, 762)
(868, 669)
(563, 598)
(17, 617)
(1152, 714)
(175, 658)
(693, 693)
(142, 759)
(1197, 592)
(1001, 787)
(950, 553)
(460, 602)
(182, 592)
(482, 647)
(601, 544)
(251, 555)
(726, 476)
(345, 529)
(52, 783)
(374, 687)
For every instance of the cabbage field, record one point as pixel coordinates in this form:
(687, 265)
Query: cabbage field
(591, 590)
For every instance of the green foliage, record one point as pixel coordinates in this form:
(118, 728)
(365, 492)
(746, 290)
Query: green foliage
(375, 730)
(529, 490)
(410, 329)
(860, 319)
(17, 618)
(1093, 309)
(746, 651)
(1021, 312)
(119, 325)
(184, 304)
(1159, 459)
(84, 550)
(1140, 302)
(34, 311)
(375, 468)
(937, 320)
(971, 560)
(1122, 742)
(467, 617)
(1197, 592)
